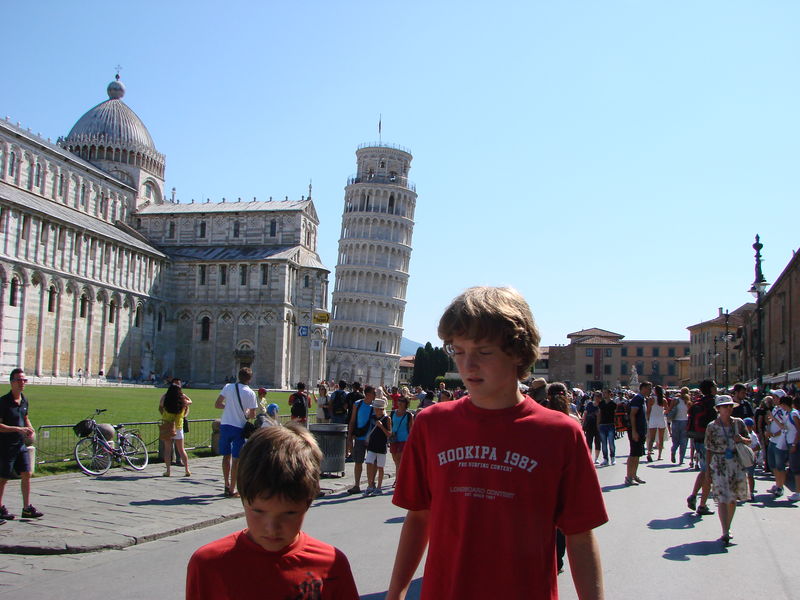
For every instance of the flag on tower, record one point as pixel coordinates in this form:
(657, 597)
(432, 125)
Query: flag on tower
(379, 124)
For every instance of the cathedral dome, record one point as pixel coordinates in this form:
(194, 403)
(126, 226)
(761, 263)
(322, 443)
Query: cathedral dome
(111, 128)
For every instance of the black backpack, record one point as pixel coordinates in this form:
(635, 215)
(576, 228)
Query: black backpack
(299, 408)
(338, 402)
(699, 418)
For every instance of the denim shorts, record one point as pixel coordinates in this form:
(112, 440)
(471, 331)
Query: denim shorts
(794, 461)
(700, 447)
(230, 440)
(776, 457)
(14, 460)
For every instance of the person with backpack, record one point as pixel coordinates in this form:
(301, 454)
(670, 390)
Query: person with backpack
(701, 413)
(299, 402)
(360, 422)
(337, 404)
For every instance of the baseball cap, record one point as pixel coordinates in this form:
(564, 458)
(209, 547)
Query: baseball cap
(379, 403)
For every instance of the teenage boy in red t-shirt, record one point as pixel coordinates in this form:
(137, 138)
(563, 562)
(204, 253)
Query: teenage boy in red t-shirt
(486, 479)
(278, 478)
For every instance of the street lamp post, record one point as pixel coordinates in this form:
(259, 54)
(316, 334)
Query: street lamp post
(727, 339)
(715, 358)
(757, 289)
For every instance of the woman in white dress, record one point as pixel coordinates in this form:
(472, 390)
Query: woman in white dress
(656, 422)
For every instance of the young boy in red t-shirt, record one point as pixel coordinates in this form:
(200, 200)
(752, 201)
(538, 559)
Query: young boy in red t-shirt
(488, 478)
(278, 478)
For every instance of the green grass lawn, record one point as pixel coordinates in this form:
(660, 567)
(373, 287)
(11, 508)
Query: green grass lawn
(66, 405)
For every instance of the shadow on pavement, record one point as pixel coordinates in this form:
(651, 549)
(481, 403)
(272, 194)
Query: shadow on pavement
(664, 466)
(396, 520)
(413, 593)
(611, 488)
(770, 501)
(180, 500)
(685, 551)
(685, 521)
(124, 477)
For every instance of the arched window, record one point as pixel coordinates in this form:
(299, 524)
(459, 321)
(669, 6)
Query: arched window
(51, 299)
(306, 281)
(61, 185)
(391, 205)
(13, 292)
(112, 308)
(83, 194)
(273, 228)
(12, 164)
(84, 306)
(37, 175)
(205, 329)
(236, 229)
(137, 319)
(171, 230)
(202, 232)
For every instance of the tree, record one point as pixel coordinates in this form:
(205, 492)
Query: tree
(429, 363)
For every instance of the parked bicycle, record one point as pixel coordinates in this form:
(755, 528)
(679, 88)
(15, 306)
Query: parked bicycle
(94, 453)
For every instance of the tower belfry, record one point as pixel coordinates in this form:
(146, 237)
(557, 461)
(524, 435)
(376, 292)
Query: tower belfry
(369, 298)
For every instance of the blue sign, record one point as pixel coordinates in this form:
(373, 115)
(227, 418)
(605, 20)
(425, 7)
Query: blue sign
(302, 331)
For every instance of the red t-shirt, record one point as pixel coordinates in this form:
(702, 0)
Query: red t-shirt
(395, 398)
(497, 483)
(236, 568)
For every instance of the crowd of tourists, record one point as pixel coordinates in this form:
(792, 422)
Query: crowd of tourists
(728, 438)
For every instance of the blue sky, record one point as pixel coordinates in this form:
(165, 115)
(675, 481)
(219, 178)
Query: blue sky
(612, 160)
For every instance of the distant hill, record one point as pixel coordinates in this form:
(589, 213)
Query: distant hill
(409, 347)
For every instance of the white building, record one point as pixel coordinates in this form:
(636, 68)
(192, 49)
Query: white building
(372, 269)
(100, 272)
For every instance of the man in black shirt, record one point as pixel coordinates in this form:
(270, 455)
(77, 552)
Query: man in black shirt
(15, 426)
(744, 408)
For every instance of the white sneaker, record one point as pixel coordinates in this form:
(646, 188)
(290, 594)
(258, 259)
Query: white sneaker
(794, 497)
(613, 461)
(604, 463)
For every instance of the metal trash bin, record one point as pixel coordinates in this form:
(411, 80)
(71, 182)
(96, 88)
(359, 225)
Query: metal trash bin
(332, 440)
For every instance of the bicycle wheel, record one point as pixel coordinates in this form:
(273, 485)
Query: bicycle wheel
(134, 450)
(92, 457)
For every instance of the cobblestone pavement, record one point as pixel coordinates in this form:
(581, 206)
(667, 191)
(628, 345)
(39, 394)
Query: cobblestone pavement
(124, 507)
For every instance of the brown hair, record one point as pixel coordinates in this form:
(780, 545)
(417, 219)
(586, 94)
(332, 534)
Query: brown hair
(283, 461)
(494, 313)
(245, 374)
(557, 397)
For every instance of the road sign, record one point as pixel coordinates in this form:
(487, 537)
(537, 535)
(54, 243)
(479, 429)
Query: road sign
(302, 331)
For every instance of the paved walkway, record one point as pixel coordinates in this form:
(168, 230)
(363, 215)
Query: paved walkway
(125, 507)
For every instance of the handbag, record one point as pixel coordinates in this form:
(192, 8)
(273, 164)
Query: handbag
(185, 425)
(747, 457)
(249, 427)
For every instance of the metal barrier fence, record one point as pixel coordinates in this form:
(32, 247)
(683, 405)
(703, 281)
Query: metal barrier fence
(56, 443)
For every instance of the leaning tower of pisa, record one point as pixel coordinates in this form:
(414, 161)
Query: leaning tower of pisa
(369, 297)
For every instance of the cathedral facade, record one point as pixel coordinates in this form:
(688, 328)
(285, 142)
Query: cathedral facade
(102, 274)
